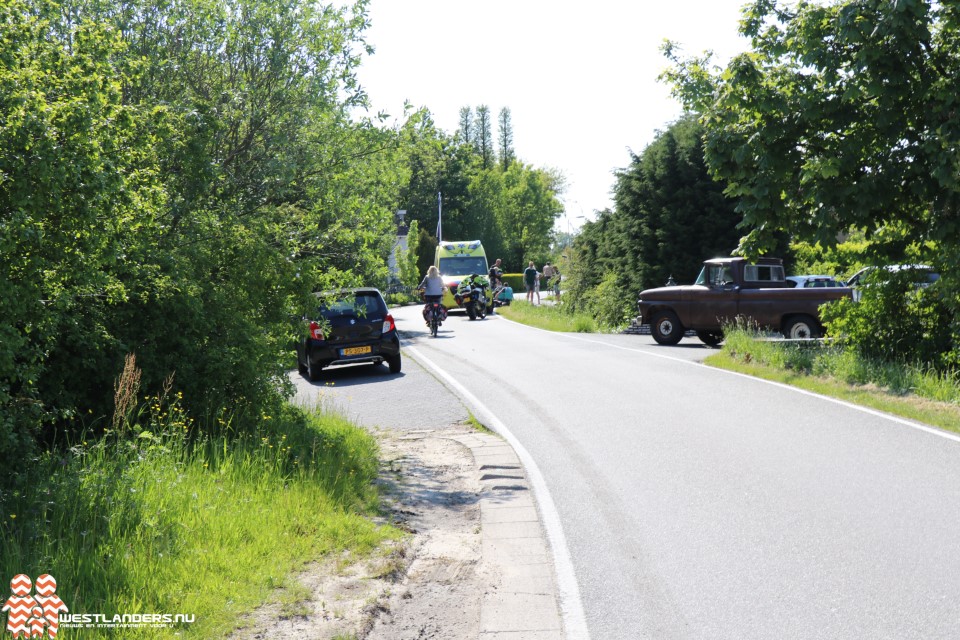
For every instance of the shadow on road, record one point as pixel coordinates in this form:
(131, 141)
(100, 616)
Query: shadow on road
(415, 335)
(686, 345)
(354, 374)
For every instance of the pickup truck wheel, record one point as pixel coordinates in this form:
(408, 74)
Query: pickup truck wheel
(712, 338)
(665, 327)
(801, 328)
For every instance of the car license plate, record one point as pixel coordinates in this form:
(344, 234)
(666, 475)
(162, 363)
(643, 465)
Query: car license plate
(355, 351)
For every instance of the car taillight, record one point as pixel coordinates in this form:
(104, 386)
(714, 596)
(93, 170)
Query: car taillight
(388, 324)
(315, 331)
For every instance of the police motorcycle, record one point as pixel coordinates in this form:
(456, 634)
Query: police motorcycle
(472, 296)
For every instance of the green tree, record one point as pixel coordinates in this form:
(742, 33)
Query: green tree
(484, 136)
(407, 260)
(511, 211)
(436, 164)
(669, 214)
(78, 195)
(529, 207)
(465, 131)
(841, 116)
(505, 138)
(485, 204)
(276, 191)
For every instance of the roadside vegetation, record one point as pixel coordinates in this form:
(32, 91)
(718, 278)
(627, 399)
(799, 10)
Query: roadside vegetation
(549, 317)
(917, 392)
(162, 515)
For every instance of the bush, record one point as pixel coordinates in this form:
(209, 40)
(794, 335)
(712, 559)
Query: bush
(401, 298)
(894, 321)
(584, 324)
(607, 303)
(515, 281)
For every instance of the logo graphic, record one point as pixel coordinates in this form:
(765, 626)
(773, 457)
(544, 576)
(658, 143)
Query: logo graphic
(33, 616)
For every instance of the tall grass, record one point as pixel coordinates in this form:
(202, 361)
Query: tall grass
(549, 317)
(153, 518)
(916, 392)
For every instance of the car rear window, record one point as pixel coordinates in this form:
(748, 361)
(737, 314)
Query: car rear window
(359, 305)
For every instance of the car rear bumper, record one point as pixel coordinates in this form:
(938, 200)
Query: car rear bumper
(323, 354)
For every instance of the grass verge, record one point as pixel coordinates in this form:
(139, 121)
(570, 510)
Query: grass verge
(549, 317)
(477, 425)
(152, 521)
(912, 393)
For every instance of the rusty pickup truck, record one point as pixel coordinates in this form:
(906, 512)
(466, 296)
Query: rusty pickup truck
(731, 288)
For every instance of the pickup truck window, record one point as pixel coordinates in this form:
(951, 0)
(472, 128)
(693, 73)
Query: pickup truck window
(763, 273)
(715, 275)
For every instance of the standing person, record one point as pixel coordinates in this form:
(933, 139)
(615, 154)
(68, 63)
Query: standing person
(495, 274)
(556, 283)
(548, 272)
(530, 275)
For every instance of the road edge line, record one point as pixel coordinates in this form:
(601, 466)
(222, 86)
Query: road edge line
(571, 605)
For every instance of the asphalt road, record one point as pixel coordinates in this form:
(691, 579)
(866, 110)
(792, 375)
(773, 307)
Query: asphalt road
(702, 504)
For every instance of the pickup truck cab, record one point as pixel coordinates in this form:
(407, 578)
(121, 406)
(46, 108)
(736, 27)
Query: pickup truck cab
(730, 288)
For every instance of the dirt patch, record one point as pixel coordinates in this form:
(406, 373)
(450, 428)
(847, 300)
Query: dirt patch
(428, 586)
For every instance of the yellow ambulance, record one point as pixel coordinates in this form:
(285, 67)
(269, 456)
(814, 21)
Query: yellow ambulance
(456, 260)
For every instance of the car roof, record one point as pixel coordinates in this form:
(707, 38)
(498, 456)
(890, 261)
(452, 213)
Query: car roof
(346, 291)
(904, 267)
(758, 261)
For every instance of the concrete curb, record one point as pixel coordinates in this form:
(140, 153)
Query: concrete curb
(521, 601)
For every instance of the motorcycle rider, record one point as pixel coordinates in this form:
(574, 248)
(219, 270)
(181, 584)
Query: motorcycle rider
(432, 288)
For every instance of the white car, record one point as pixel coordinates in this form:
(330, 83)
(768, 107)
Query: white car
(803, 282)
(922, 275)
(925, 274)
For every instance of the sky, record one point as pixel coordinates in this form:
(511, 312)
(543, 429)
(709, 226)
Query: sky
(579, 78)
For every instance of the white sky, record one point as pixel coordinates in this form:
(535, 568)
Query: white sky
(580, 78)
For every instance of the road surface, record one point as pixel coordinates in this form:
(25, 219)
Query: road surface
(697, 503)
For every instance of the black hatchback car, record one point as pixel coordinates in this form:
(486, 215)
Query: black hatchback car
(351, 326)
